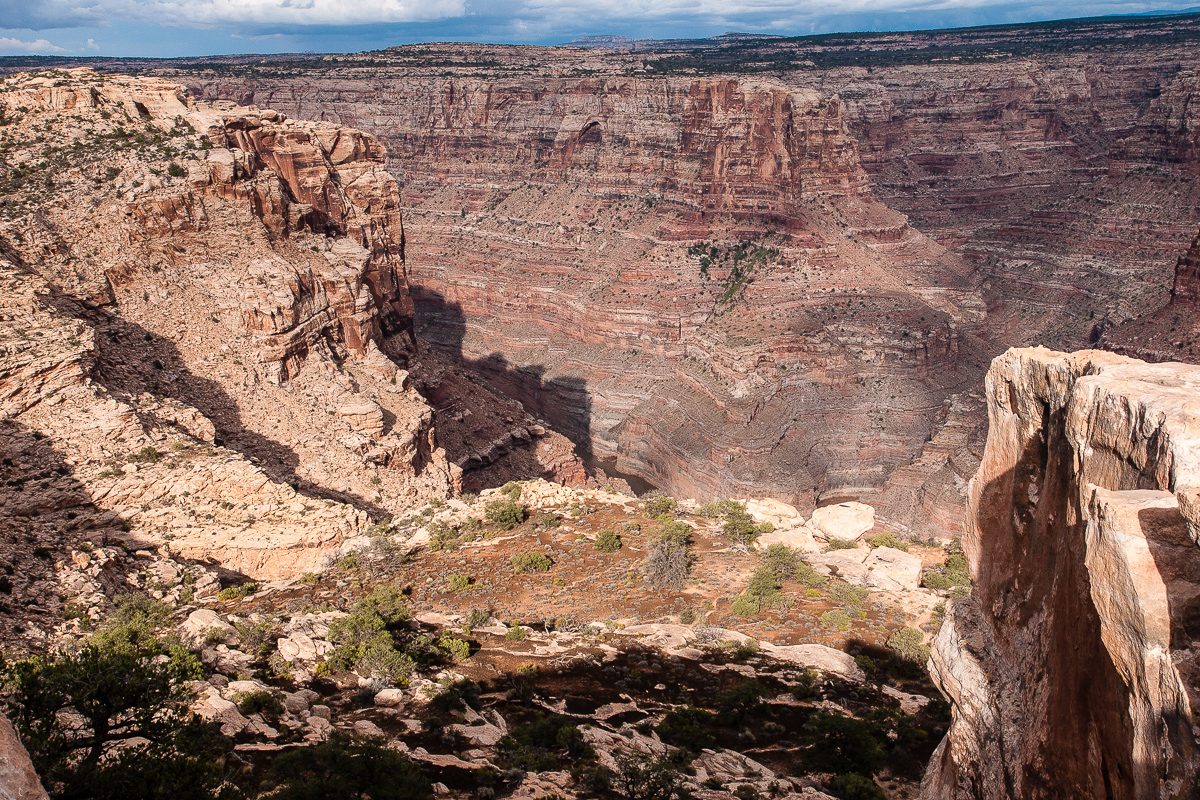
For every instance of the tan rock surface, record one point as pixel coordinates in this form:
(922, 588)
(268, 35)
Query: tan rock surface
(1070, 668)
(18, 781)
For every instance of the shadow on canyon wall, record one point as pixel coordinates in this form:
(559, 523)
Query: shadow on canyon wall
(131, 360)
(46, 513)
(562, 401)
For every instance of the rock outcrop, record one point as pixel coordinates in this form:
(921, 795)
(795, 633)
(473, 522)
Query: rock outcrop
(1072, 669)
(18, 781)
(203, 312)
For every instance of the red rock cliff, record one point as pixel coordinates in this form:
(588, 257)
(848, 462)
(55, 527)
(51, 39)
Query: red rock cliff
(1072, 668)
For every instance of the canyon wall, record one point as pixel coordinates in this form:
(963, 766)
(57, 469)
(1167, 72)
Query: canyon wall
(200, 302)
(560, 200)
(688, 276)
(1072, 668)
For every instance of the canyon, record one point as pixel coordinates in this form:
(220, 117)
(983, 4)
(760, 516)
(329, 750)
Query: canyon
(583, 215)
(286, 342)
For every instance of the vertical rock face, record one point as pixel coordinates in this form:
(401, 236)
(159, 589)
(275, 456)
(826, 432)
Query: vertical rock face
(1072, 668)
(18, 781)
(1186, 290)
(751, 148)
(688, 275)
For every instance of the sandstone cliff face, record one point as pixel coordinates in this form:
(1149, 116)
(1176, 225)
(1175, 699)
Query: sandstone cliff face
(1072, 669)
(1171, 332)
(202, 308)
(587, 230)
(18, 781)
(1186, 289)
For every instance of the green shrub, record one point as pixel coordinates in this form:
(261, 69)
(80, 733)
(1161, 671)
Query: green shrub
(739, 525)
(457, 583)
(950, 575)
(888, 539)
(908, 644)
(545, 743)
(845, 595)
(607, 541)
(688, 727)
(364, 640)
(836, 619)
(348, 767)
(147, 455)
(656, 503)
(531, 561)
(835, 543)
(457, 649)
(512, 490)
(260, 701)
(176, 171)
(644, 777)
(504, 514)
(516, 633)
(687, 616)
(674, 530)
(234, 592)
(257, 638)
(853, 786)
(741, 702)
(746, 605)
(841, 745)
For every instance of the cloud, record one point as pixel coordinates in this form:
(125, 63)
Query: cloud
(223, 13)
(40, 47)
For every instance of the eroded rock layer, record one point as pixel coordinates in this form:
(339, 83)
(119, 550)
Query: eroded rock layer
(686, 275)
(1072, 668)
(202, 314)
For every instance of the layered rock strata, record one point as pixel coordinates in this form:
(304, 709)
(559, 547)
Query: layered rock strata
(1171, 332)
(688, 276)
(203, 314)
(1072, 668)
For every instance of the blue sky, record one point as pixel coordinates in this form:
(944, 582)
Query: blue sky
(206, 27)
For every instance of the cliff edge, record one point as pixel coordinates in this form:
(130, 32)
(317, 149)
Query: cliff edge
(1072, 668)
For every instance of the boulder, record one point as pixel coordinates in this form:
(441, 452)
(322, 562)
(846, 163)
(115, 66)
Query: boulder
(195, 629)
(845, 564)
(842, 521)
(816, 656)
(893, 570)
(18, 781)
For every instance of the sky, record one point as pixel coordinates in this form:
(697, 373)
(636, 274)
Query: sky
(165, 28)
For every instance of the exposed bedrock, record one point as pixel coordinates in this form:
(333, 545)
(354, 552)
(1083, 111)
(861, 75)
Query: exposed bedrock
(1069, 180)
(1169, 333)
(1072, 669)
(218, 294)
(577, 242)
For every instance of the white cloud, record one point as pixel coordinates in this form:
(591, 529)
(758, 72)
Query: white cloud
(91, 45)
(40, 47)
(281, 12)
(44, 14)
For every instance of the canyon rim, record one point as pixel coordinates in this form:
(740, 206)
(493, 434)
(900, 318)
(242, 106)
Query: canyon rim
(730, 419)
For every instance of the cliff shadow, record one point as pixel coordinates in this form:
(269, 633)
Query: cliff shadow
(562, 401)
(130, 361)
(48, 515)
